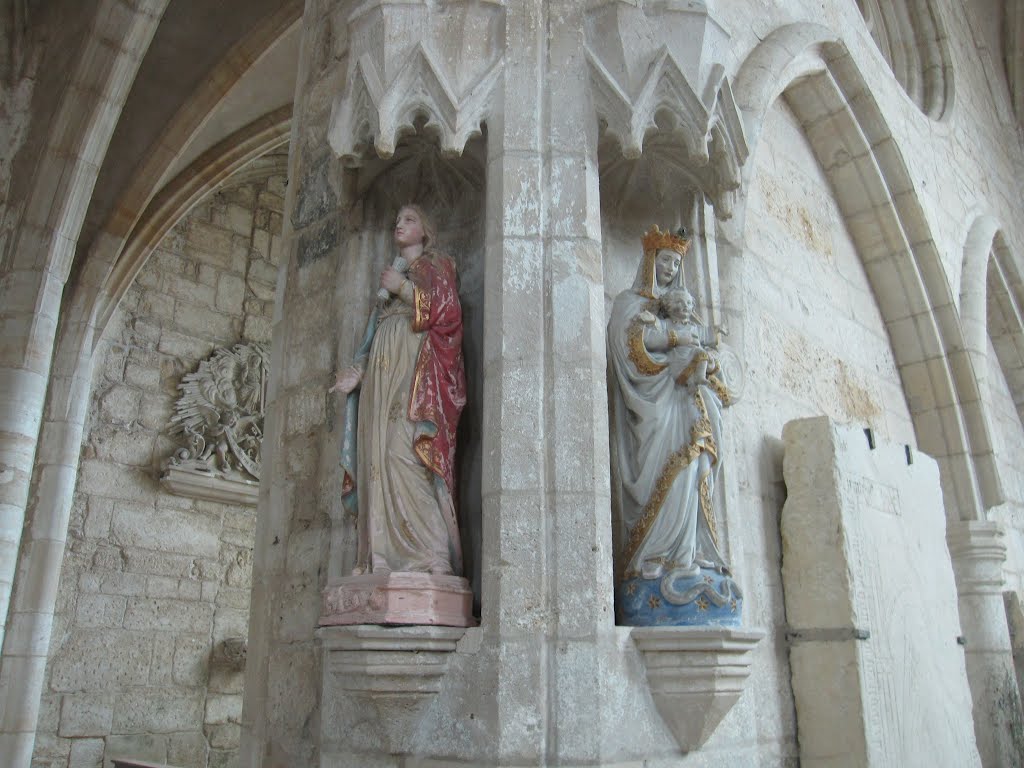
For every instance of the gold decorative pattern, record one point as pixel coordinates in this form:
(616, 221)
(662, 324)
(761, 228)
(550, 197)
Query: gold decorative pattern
(654, 601)
(720, 389)
(702, 603)
(690, 369)
(700, 440)
(707, 508)
(407, 531)
(395, 412)
(638, 353)
(647, 289)
(421, 309)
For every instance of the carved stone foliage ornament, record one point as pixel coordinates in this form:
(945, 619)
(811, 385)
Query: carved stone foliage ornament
(219, 422)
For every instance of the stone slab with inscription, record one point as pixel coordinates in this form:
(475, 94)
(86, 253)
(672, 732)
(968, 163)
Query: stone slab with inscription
(878, 670)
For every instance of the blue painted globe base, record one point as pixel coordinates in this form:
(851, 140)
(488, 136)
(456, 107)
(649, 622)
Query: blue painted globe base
(708, 599)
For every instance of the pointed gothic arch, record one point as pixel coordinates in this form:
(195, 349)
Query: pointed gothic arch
(812, 69)
(991, 301)
(911, 37)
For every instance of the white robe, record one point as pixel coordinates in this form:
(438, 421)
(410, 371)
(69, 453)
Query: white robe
(667, 443)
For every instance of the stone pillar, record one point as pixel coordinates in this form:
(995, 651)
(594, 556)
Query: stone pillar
(546, 679)
(516, 612)
(978, 550)
(547, 592)
(30, 302)
(28, 336)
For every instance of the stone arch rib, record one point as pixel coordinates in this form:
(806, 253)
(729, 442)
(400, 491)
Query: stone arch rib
(225, 159)
(911, 38)
(991, 301)
(853, 144)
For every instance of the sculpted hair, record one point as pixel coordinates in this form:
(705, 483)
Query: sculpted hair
(429, 230)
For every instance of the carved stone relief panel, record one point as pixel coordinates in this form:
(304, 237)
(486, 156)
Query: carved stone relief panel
(218, 421)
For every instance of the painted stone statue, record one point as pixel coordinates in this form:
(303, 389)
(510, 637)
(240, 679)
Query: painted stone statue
(406, 389)
(667, 395)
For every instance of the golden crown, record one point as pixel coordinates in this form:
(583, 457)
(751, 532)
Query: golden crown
(656, 240)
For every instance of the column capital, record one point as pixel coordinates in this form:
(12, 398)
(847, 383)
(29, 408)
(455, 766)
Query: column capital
(978, 551)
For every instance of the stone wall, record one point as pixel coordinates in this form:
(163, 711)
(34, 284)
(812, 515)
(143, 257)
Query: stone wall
(863, 544)
(813, 342)
(152, 582)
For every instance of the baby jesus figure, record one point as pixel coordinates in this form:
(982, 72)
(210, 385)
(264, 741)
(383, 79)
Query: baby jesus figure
(688, 358)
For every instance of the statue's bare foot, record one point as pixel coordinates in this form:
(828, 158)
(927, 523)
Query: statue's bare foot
(358, 570)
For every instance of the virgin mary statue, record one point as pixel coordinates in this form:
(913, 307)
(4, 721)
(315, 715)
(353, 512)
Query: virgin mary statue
(667, 397)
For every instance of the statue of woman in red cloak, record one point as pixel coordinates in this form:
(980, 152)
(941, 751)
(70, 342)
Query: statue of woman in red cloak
(406, 390)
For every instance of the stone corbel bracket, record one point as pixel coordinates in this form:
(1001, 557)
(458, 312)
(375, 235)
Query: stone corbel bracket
(397, 671)
(696, 675)
(371, 109)
(709, 126)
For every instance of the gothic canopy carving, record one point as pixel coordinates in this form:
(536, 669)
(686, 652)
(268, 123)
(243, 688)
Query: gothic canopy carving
(665, 92)
(413, 60)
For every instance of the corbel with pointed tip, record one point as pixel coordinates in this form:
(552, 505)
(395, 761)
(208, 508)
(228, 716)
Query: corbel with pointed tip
(370, 110)
(696, 675)
(392, 671)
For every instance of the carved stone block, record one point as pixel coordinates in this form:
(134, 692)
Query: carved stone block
(399, 598)
(878, 673)
(392, 671)
(696, 675)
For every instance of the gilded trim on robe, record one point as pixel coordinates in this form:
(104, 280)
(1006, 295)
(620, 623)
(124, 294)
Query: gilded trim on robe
(638, 353)
(707, 508)
(421, 309)
(700, 440)
(720, 389)
(698, 358)
(647, 290)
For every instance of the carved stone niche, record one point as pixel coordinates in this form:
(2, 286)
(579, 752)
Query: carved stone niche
(218, 421)
(388, 85)
(669, 119)
(394, 672)
(696, 675)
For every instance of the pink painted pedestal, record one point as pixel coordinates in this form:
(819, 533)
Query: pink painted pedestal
(399, 597)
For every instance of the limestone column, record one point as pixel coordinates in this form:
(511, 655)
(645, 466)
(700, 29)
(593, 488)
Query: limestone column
(547, 592)
(30, 301)
(978, 551)
(516, 612)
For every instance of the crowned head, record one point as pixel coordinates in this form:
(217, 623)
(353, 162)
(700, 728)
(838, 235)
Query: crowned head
(662, 261)
(655, 240)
